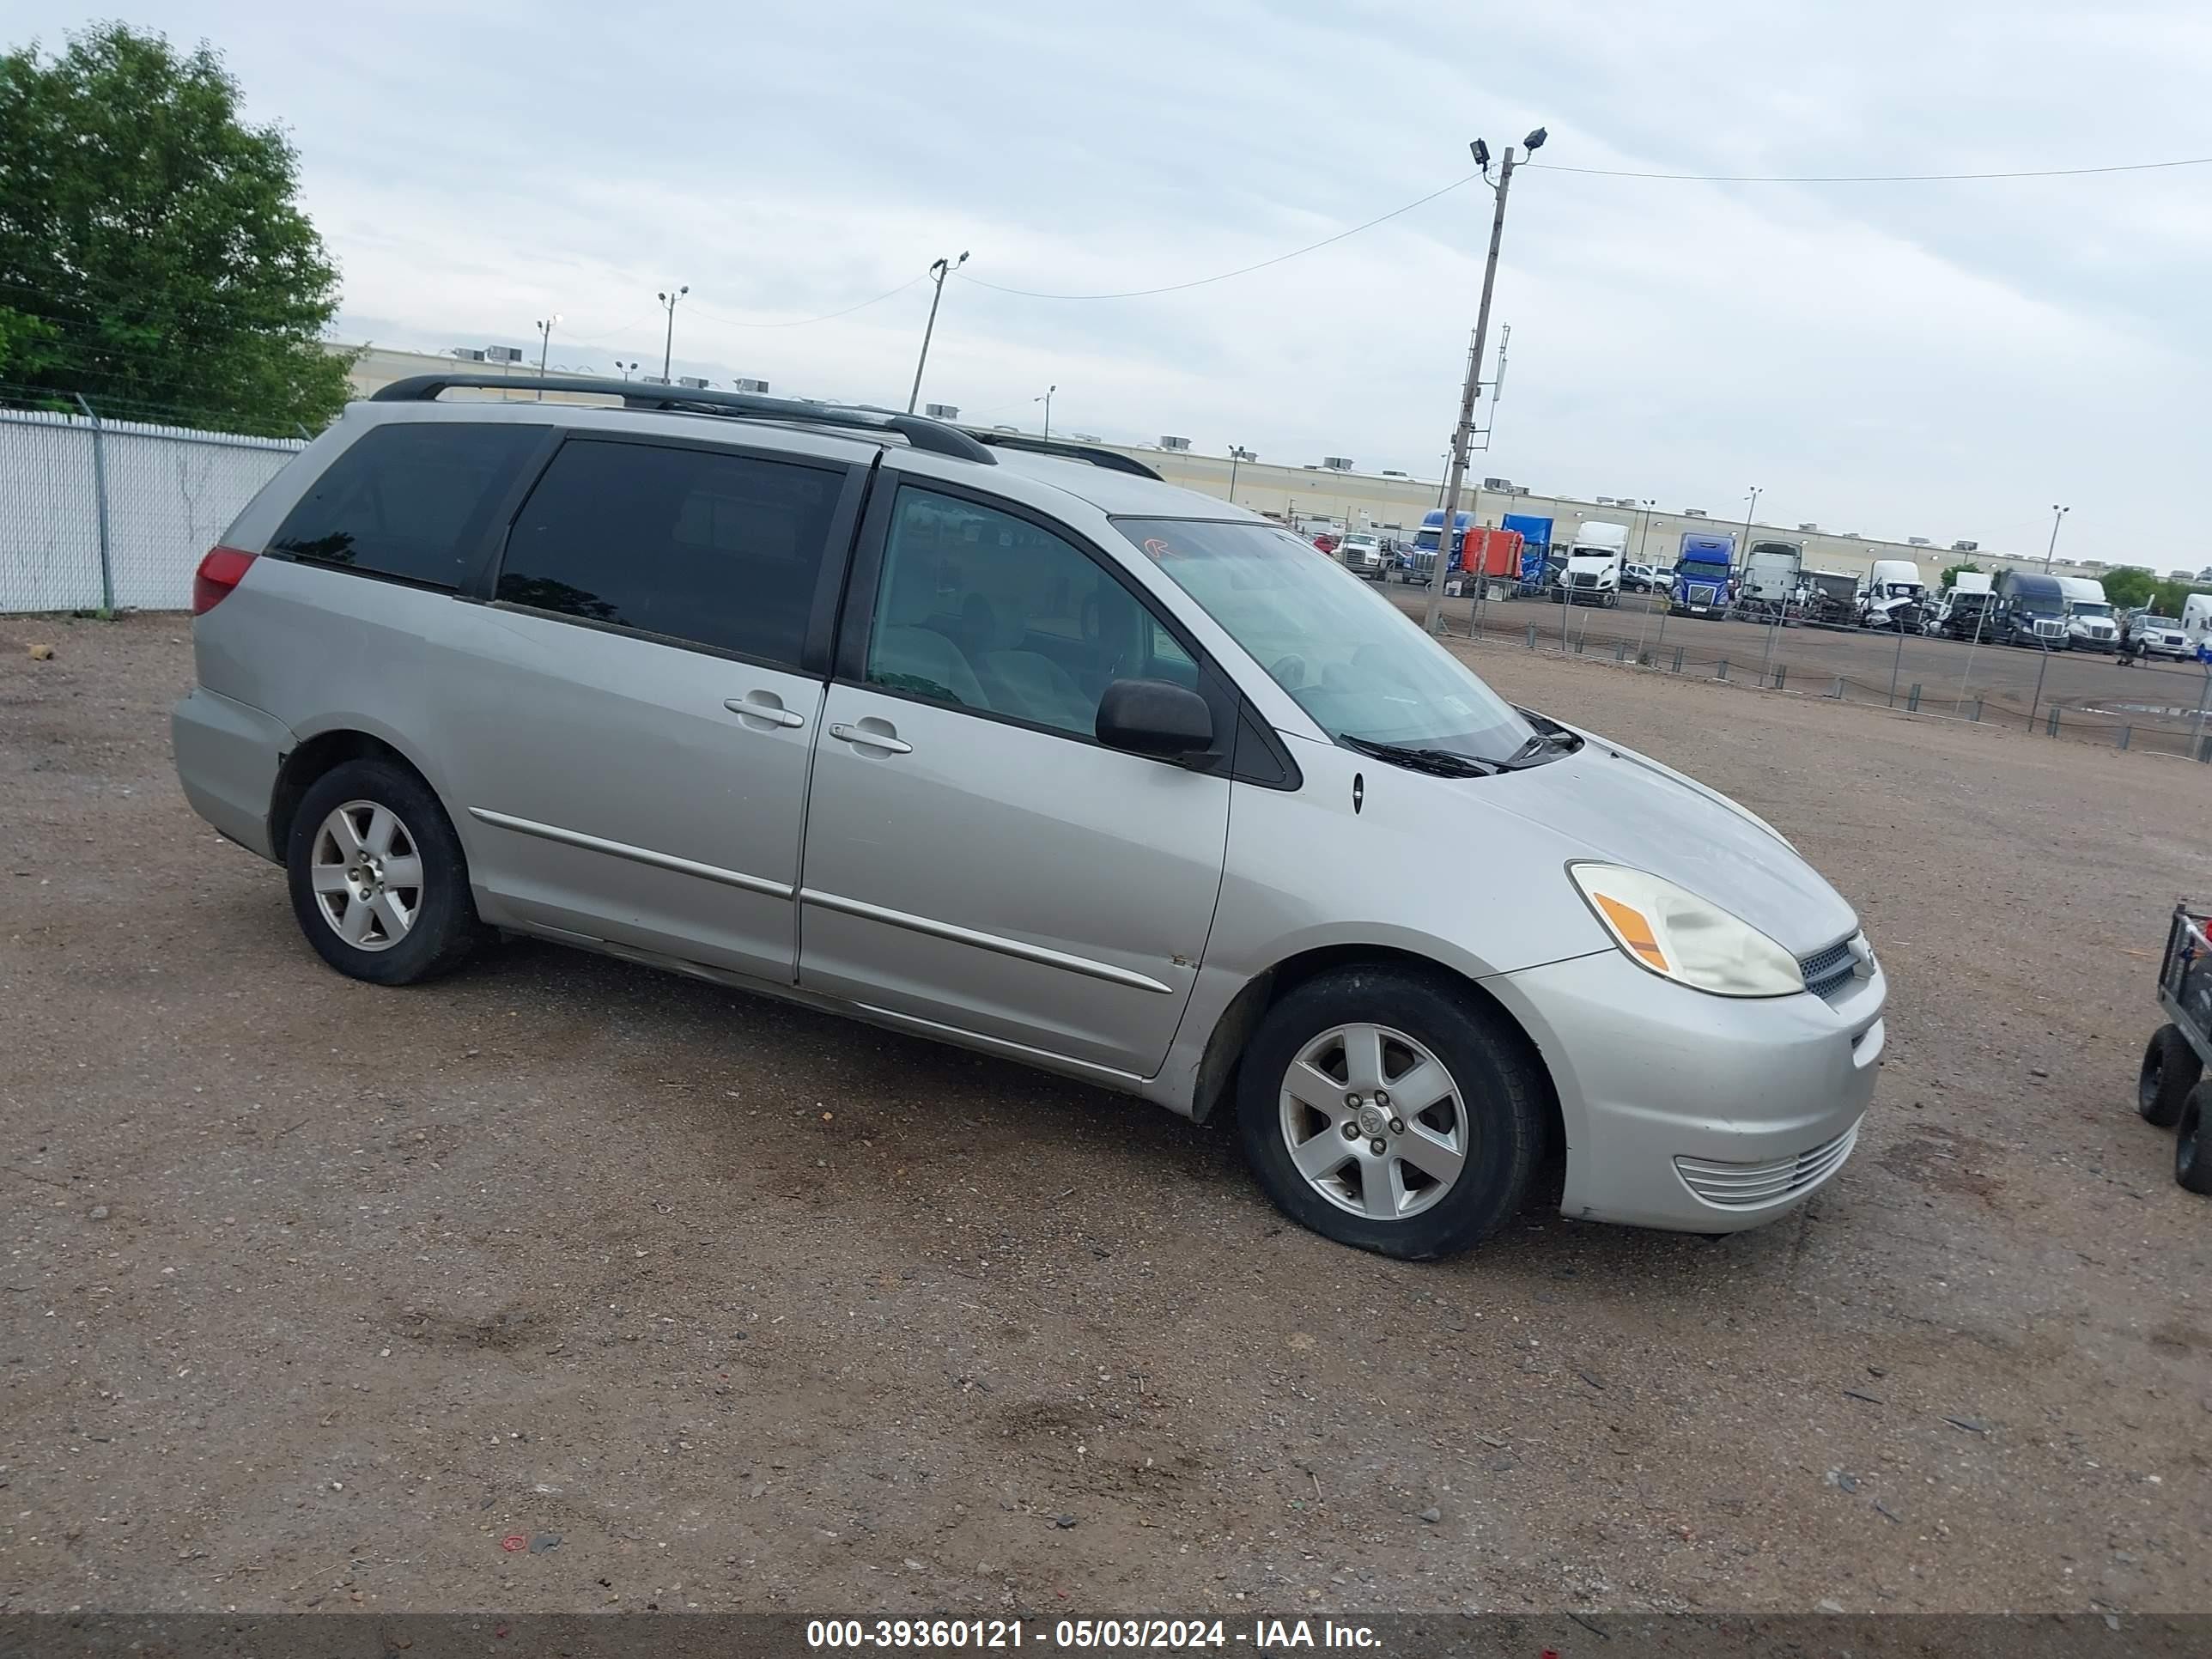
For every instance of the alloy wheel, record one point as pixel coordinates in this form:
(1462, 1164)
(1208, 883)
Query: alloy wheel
(367, 875)
(1374, 1122)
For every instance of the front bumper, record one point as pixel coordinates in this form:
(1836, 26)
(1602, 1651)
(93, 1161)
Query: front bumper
(1697, 1113)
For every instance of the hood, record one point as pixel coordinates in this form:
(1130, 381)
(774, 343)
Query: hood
(1609, 803)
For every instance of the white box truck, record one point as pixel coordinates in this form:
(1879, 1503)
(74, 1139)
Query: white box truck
(1595, 559)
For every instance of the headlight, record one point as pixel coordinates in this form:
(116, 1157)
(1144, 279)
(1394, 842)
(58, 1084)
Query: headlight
(1681, 937)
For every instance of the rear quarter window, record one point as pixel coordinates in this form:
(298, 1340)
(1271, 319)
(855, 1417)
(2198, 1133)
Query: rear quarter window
(409, 500)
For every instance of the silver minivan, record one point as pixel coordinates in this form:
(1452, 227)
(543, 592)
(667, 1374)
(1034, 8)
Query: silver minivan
(1015, 747)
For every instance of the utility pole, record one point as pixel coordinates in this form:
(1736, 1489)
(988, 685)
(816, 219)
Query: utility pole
(1460, 434)
(668, 344)
(1237, 452)
(939, 271)
(544, 339)
(2057, 514)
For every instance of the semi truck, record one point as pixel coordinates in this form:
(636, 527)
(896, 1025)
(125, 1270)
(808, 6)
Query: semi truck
(1595, 559)
(1769, 587)
(1894, 596)
(2090, 625)
(2030, 610)
(1963, 612)
(1703, 570)
(1830, 599)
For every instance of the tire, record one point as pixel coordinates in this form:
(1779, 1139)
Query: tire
(399, 831)
(1491, 1108)
(2170, 1070)
(2192, 1154)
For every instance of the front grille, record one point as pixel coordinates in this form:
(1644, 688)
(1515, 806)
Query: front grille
(1584, 578)
(1829, 969)
(1748, 1186)
(1702, 594)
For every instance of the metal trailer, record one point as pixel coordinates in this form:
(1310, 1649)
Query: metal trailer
(2170, 1089)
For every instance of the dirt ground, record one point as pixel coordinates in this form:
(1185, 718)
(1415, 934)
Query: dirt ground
(566, 1285)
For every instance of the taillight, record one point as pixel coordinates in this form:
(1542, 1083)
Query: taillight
(222, 569)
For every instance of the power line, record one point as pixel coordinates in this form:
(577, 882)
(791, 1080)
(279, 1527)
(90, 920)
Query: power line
(1242, 271)
(1870, 177)
(801, 322)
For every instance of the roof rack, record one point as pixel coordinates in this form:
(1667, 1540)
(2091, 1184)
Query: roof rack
(934, 436)
(1112, 460)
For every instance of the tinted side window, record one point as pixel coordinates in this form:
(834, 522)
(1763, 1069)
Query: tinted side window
(411, 499)
(718, 550)
(986, 610)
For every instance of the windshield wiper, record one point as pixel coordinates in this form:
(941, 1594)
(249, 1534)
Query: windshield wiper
(1530, 752)
(1440, 763)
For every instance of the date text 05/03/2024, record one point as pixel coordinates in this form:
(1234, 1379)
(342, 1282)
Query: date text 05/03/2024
(1261, 1636)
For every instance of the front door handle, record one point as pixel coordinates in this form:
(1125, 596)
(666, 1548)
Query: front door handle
(763, 711)
(863, 736)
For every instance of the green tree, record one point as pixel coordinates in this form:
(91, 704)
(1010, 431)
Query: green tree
(1951, 574)
(153, 255)
(2128, 587)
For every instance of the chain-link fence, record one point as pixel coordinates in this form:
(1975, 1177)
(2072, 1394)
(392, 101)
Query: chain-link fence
(2081, 695)
(113, 516)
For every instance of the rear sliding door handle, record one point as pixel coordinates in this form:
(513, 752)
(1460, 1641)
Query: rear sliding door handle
(862, 735)
(762, 711)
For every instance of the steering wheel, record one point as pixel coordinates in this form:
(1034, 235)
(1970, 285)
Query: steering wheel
(1289, 672)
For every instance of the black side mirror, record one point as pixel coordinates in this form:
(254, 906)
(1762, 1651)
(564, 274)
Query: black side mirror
(1156, 718)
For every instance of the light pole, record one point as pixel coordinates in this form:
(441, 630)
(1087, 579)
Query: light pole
(939, 272)
(2057, 516)
(545, 340)
(1237, 452)
(1472, 389)
(1047, 401)
(1756, 492)
(668, 343)
(628, 369)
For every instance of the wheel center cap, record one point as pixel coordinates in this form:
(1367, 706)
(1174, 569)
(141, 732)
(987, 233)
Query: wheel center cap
(1373, 1122)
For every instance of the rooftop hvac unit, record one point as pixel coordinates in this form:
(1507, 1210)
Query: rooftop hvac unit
(696, 382)
(1965, 547)
(1917, 541)
(758, 388)
(503, 354)
(1086, 437)
(1498, 483)
(1694, 512)
(468, 354)
(653, 379)
(1175, 443)
(1337, 463)
(1809, 527)
(1390, 472)
(1006, 428)
(940, 411)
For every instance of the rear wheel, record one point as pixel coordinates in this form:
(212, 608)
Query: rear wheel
(2170, 1070)
(378, 881)
(1385, 1110)
(2192, 1157)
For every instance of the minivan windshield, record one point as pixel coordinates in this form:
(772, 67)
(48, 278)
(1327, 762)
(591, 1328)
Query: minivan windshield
(1353, 661)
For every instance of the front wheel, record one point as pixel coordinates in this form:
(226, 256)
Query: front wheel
(1388, 1111)
(380, 884)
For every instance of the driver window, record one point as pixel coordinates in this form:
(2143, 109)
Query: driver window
(984, 610)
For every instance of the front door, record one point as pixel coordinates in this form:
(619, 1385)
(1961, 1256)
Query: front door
(974, 858)
(632, 717)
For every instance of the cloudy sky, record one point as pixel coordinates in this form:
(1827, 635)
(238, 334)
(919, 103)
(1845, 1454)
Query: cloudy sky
(1937, 359)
